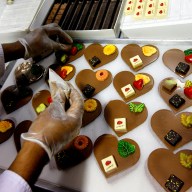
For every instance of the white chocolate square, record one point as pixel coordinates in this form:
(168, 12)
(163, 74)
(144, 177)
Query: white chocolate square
(136, 61)
(109, 164)
(128, 91)
(120, 124)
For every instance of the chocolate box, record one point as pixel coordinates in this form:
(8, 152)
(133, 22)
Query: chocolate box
(82, 19)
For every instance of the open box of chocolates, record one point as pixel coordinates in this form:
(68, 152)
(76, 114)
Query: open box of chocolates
(95, 18)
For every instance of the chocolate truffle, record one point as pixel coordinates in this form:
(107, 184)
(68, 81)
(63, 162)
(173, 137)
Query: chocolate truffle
(94, 61)
(182, 68)
(88, 91)
(174, 184)
(172, 137)
(176, 101)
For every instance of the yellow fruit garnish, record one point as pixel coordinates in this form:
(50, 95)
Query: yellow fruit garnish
(186, 160)
(69, 69)
(188, 83)
(145, 78)
(148, 50)
(41, 108)
(4, 126)
(109, 49)
(90, 105)
(186, 120)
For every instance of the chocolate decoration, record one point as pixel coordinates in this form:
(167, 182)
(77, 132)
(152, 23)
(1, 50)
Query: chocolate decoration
(106, 145)
(96, 50)
(89, 117)
(172, 58)
(162, 163)
(6, 135)
(88, 76)
(22, 127)
(57, 69)
(124, 78)
(14, 97)
(132, 50)
(73, 156)
(167, 95)
(164, 120)
(133, 120)
(28, 73)
(59, 54)
(40, 97)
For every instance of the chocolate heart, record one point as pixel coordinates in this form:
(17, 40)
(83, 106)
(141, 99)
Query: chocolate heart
(132, 119)
(42, 97)
(167, 95)
(162, 163)
(172, 58)
(70, 58)
(132, 50)
(57, 69)
(4, 136)
(107, 145)
(164, 120)
(89, 117)
(14, 97)
(97, 51)
(22, 127)
(88, 76)
(124, 78)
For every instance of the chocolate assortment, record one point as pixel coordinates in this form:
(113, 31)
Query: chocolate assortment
(84, 14)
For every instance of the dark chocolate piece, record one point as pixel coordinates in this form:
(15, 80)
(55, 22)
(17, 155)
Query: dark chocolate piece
(172, 137)
(182, 68)
(174, 184)
(176, 101)
(94, 61)
(88, 91)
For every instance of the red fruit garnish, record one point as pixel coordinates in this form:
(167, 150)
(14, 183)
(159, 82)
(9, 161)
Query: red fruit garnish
(127, 89)
(150, 5)
(128, 8)
(188, 58)
(135, 60)
(161, 4)
(137, 13)
(139, 7)
(119, 122)
(160, 12)
(107, 163)
(49, 100)
(188, 92)
(63, 73)
(130, 2)
(74, 50)
(138, 84)
(149, 12)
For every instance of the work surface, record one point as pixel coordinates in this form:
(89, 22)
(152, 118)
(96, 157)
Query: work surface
(87, 176)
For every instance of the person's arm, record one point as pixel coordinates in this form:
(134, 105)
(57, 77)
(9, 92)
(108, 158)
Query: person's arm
(29, 162)
(13, 51)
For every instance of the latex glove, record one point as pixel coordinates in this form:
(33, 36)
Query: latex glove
(56, 127)
(40, 41)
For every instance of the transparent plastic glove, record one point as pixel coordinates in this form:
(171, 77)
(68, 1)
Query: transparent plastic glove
(41, 41)
(56, 127)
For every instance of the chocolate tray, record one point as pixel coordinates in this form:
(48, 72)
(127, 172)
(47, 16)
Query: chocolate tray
(90, 15)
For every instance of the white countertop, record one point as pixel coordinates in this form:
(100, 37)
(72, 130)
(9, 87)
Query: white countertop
(87, 176)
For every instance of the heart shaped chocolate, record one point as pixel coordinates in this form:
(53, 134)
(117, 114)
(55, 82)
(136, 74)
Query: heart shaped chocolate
(69, 57)
(172, 58)
(132, 50)
(164, 120)
(14, 97)
(167, 94)
(88, 77)
(89, 117)
(57, 69)
(133, 119)
(6, 134)
(96, 51)
(41, 98)
(124, 78)
(107, 145)
(22, 127)
(162, 163)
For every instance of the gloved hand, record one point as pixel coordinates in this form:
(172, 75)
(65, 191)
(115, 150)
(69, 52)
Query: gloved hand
(56, 127)
(40, 41)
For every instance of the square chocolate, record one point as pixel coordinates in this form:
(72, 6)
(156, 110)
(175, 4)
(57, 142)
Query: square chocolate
(174, 184)
(172, 137)
(182, 68)
(94, 61)
(176, 101)
(88, 91)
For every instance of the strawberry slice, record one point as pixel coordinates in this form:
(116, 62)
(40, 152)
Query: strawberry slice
(138, 84)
